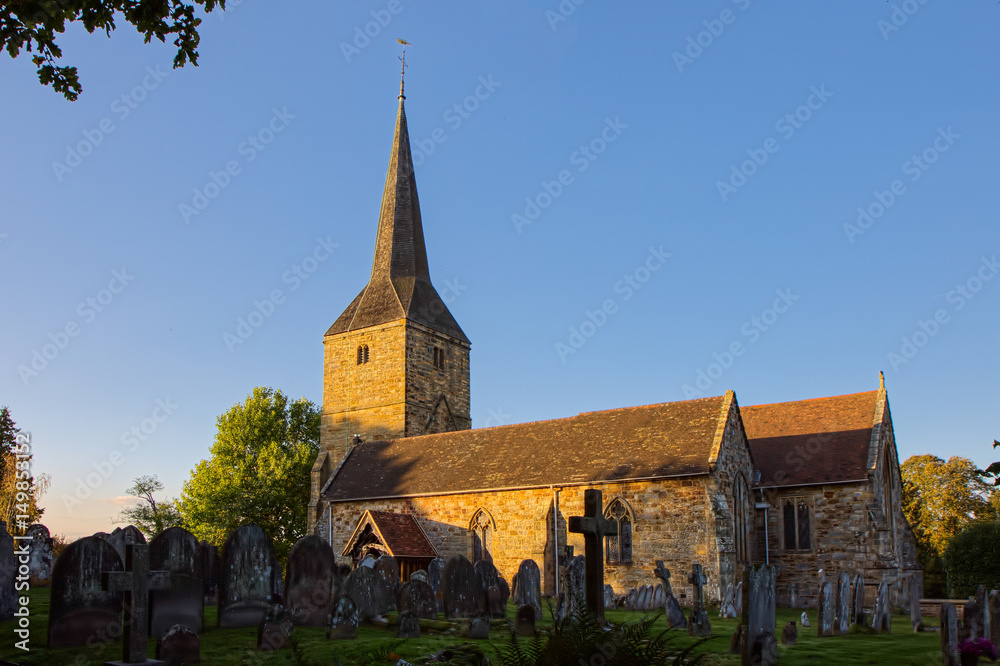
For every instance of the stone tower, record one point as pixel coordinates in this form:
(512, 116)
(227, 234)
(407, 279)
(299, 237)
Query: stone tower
(396, 363)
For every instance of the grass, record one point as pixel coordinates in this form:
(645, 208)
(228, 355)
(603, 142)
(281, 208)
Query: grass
(238, 646)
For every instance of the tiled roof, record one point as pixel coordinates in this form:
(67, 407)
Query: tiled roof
(812, 441)
(402, 535)
(669, 439)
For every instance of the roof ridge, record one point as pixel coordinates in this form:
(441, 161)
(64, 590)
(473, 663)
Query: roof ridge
(827, 397)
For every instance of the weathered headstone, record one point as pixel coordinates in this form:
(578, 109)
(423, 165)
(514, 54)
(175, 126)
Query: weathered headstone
(419, 574)
(738, 599)
(761, 646)
(8, 571)
(479, 627)
(659, 597)
(80, 610)
(310, 581)
(176, 550)
(434, 570)
(576, 584)
(699, 625)
(804, 619)
(675, 616)
(344, 619)
(526, 620)
(882, 616)
(985, 617)
(211, 571)
(40, 558)
(388, 571)
(135, 582)
(504, 591)
(858, 602)
(842, 623)
(417, 597)
(367, 591)
(276, 629)
(728, 606)
(407, 625)
(122, 537)
(460, 588)
(916, 592)
(496, 603)
(528, 586)
(594, 527)
(251, 578)
(971, 627)
(609, 597)
(179, 646)
(488, 577)
(994, 604)
(826, 611)
(949, 635)
(790, 634)
(738, 643)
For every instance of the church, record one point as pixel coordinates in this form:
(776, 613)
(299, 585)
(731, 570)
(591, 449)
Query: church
(807, 486)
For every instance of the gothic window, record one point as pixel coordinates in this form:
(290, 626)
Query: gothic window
(482, 527)
(438, 358)
(618, 546)
(740, 523)
(362, 354)
(795, 515)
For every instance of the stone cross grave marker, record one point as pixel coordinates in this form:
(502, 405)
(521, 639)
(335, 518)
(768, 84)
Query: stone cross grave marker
(675, 616)
(136, 582)
(594, 527)
(949, 635)
(700, 625)
(826, 611)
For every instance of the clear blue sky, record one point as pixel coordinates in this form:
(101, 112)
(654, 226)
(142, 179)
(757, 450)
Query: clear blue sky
(879, 97)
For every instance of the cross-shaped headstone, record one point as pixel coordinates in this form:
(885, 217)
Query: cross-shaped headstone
(594, 527)
(663, 573)
(697, 579)
(137, 581)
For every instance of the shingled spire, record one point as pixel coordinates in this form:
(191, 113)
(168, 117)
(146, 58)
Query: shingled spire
(400, 284)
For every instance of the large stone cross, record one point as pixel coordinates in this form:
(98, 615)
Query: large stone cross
(137, 581)
(697, 579)
(663, 573)
(594, 527)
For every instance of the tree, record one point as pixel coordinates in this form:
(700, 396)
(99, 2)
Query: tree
(973, 559)
(150, 516)
(258, 471)
(33, 24)
(994, 469)
(20, 491)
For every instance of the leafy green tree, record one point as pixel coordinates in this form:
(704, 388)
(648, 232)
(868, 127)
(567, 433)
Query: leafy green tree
(20, 490)
(150, 516)
(33, 24)
(973, 559)
(258, 471)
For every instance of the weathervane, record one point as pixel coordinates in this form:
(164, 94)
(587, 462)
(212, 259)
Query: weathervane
(402, 70)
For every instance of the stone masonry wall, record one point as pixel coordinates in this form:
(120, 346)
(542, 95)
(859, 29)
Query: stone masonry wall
(426, 385)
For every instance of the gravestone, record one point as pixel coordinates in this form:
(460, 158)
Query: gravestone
(526, 620)
(727, 608)
(388, 572)
(949, 635)
(659, 597)
(971, 627)
(434, 570)
(842, 622)
(496, 603)
(594, 527)
(609, 597)
(504, 591)
(916, 592)
(136, 582)
(826, 611)
(417, 597)
(994, 604)
(344, 619)
(758, 615)
(675, 616)
(40, 559)
(487, 576)
(211, 571)
(790, 634)
(738, 643)
(309, 581)
(882, 616)
(276, 629)
(80, 610)
(985, 617)
(367, 590)
(576, 584)
(122, 537)
(460, 588)
(251, 578)
(176, 550)
(528, 587)
(858, 603)
(179, 646)
(804, 619)
(738, 599)
(699, 625)
(407, 625)
(419, 574)
(479, 627)
(8, 571)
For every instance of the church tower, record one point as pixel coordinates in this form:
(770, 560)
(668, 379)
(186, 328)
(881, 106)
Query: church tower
(396, 363)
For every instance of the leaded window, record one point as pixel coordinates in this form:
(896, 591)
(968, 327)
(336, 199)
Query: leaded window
(618, 546)
(795, 515)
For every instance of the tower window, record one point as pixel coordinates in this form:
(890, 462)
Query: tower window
(362, 354)
(439, 358)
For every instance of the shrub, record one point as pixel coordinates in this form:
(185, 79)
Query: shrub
(973, 559)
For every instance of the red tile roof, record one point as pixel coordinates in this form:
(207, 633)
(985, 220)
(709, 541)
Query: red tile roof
(400, 532)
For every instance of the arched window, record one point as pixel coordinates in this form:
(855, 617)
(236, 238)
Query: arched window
(482, 527)
(362, 354)
(795, 515)
(741, 526)
(618, 546)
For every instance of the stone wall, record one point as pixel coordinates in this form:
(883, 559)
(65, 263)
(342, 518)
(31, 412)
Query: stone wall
(443, 393)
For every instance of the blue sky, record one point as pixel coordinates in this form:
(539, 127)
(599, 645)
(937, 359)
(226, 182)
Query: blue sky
(738, 137)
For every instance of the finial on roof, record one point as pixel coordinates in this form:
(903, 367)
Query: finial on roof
(402, 69)
(881, 380)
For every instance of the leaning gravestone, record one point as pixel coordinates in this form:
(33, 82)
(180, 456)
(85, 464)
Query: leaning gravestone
(80, 611)
(728, 606)
(675, 616)
(367, 590)
(179, 645)
(40, 559)
(758, 615)
(825, 612)
(949, 635)
(8, 570)
(843, 620)
(388, 571)
(460, 588)
(699, 625)
(882, 617)
(251, 578)
(211, 569)
(176, 550)
(344, 619)
(310, 581)
(122, 537)
(434, 570)
(528, 587)
(858, 603)
(417, 597)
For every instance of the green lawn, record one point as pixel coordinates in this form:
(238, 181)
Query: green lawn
(238, 646)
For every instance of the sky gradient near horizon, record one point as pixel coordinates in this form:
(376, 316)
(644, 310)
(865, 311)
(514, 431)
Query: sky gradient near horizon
(615, 198)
